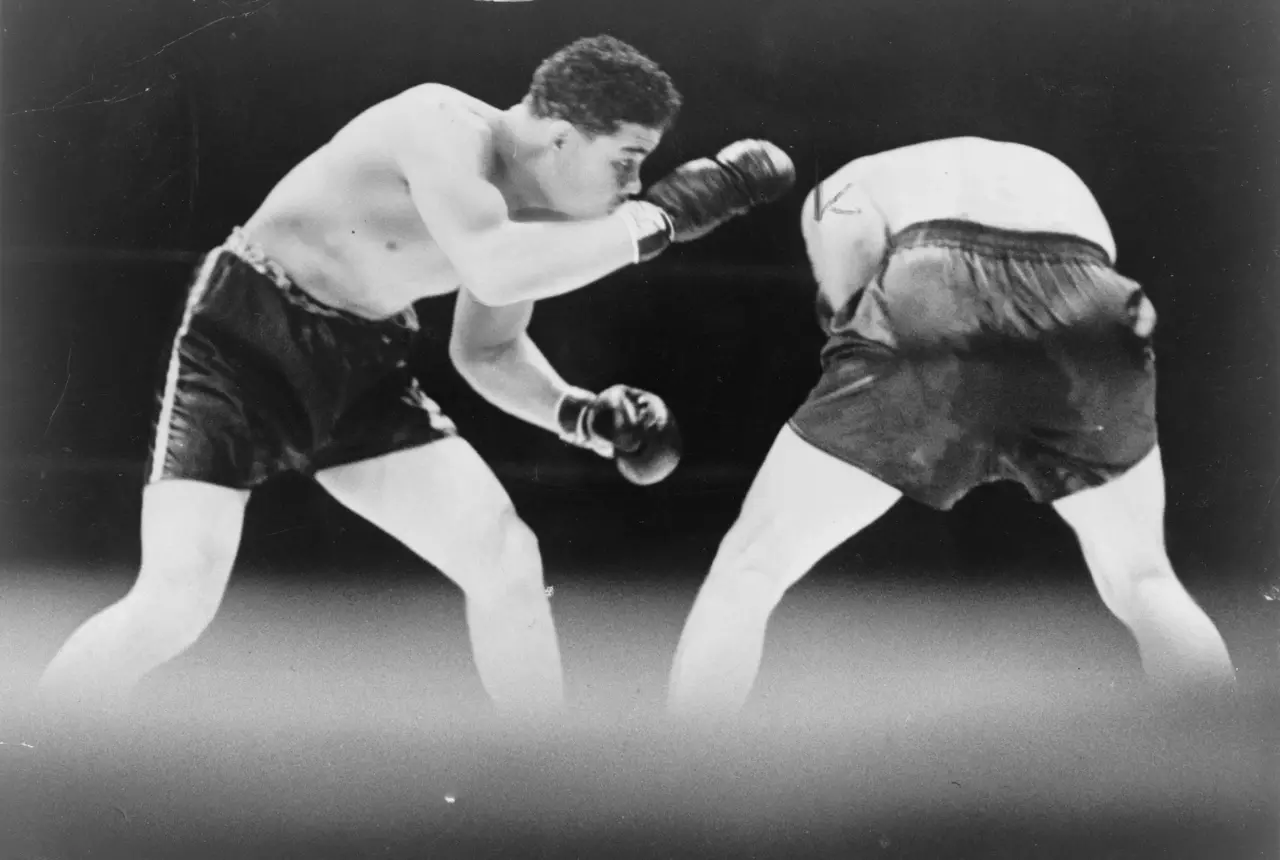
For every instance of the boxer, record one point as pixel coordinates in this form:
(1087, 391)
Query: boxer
(292, 354)
(977, 330)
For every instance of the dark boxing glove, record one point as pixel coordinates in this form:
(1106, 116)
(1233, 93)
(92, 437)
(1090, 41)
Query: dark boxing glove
(630, 426)
(703, 194)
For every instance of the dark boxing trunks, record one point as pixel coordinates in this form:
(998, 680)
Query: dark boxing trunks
(979, 355)
(263, 379)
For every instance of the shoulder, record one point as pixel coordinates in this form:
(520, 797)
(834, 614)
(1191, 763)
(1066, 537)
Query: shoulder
(852, 186)
(844, 204)
(949, 153)
(820, 197)
(433, 124)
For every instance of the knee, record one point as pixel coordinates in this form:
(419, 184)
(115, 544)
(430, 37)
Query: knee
(169, 619)
(519, 553)
(752, 569)
(178, 592)
(1123, 571)
(509, 561)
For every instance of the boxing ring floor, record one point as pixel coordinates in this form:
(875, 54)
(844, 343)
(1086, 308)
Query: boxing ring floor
(901, 711)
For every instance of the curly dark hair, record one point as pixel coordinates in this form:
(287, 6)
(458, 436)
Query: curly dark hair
(599, 83)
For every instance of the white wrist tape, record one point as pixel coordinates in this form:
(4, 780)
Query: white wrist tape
(650, 227)
(573, 410)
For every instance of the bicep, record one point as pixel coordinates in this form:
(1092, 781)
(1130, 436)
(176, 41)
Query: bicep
(458, 208)
(479, 329)
(443, 161)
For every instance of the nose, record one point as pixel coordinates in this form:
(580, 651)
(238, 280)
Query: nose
(632, 188)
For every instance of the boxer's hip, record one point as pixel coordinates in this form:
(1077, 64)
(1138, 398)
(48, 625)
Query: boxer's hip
(962, 286)
(980, 353)
(245, 319)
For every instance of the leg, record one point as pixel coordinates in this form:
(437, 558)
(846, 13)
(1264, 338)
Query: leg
(190, 536)
(802, 505)
(443, 502)
(1120, 526)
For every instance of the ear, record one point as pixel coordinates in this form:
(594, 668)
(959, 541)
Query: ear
(561, 133)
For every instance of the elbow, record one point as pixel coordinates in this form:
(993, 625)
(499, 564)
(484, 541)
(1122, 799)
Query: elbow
(499, 283)
(488, 286)
(501, 286)
(465, 358)
(489, 274)
(471, 359)
(470, 366)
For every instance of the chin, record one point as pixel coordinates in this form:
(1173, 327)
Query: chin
(587, 208)
(541, 214)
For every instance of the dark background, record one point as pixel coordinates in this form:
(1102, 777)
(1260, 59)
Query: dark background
(136, 133)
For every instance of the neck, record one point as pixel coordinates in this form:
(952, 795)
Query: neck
(516, 150)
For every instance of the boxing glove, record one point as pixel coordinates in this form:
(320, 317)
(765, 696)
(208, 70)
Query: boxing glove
(630, 426)
(703, 194)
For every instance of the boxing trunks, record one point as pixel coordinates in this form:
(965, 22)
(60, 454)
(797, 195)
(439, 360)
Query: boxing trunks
(264, 379)
(980, 354)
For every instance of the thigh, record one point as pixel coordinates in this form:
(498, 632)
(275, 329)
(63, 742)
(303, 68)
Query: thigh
(393, 415)
(203, 432)
(918, 424)
(226, 415)
(440, 500)
(190, 537)
(1090, 418)
(1122, 516)
(803, 504)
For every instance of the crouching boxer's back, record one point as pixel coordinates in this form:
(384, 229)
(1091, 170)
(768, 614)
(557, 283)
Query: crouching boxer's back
(969, 287)
(988, 182)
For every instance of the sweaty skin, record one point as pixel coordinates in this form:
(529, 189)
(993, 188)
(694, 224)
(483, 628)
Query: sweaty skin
(429, 192)
(348, 228)
(850, 215)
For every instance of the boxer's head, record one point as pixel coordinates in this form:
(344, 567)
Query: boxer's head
(601, 107)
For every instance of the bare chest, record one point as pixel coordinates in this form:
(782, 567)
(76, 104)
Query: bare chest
(383, 243)
(353, 239)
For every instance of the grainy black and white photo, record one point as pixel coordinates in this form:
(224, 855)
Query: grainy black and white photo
(556, 429)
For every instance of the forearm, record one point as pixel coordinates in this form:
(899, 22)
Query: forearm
(517, 378)
(528, 261)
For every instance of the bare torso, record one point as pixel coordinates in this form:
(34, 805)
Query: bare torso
(989, 182)
(342, 223)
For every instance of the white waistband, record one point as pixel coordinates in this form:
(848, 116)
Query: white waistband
(239, 245)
